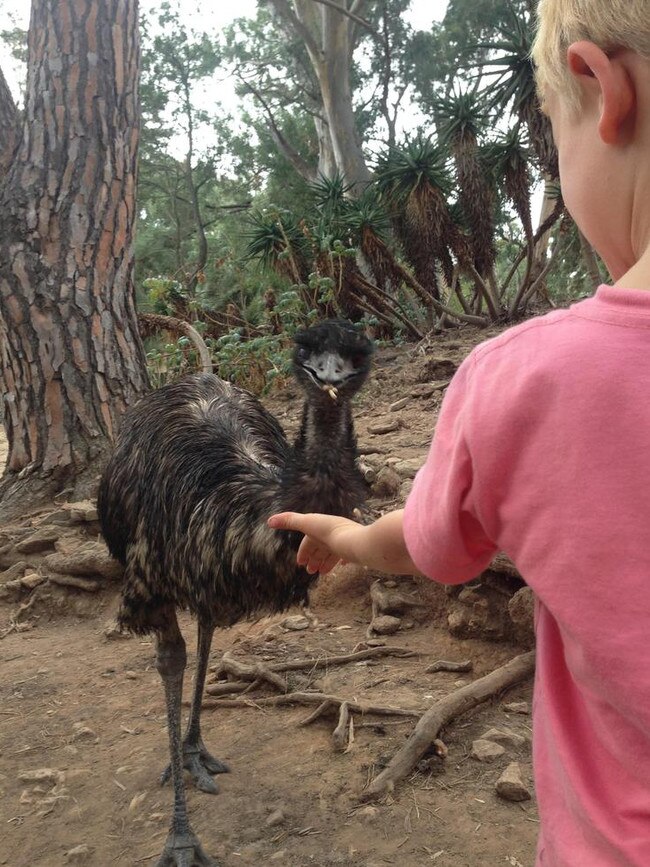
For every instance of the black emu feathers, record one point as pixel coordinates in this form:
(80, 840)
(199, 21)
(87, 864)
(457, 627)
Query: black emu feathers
(198, 468)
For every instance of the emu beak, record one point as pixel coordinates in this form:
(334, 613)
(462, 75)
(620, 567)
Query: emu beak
(331, 390)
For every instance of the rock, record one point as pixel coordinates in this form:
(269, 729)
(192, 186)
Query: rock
(426, 389)
(480, 611)
(296, 623)
(517, 707)
(486, 751)
(83, 733)
(504, 737)
(61, 517)
(276, 818)
(75, 581)
(83, 511)
(32, 580)
(11, 590)
(399, 404)
(112, 632)
(52, 776)
(407, 469)
(385, 624)
(433, 369)
(390, 600)
(79, 854)
(405, 488)
(91, 559)
(368, 814)
(387, 483)
(384, 427)
(521, 609)
(42, 540)
(510, 784)
(280, 855)
(13, 572)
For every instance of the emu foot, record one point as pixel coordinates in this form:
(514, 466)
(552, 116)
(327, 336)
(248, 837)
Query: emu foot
(184, 850)
(201, 765)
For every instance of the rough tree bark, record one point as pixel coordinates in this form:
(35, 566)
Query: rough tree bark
(71, 360)
(8, 126)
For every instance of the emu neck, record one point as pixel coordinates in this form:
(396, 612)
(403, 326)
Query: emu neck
(325, 435)
(321, 474)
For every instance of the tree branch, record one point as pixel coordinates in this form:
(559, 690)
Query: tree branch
(350, 14)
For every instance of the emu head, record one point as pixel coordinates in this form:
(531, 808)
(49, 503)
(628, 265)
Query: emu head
(332, 359)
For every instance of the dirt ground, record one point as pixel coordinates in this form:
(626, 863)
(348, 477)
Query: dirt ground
(88, 713)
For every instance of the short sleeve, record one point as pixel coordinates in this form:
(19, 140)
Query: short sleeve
(442, 528)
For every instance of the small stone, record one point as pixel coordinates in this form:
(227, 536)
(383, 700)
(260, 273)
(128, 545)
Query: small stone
(517, 707)
(369, 813)
(112, 632)
(14, 572)
(486, 751)
(91, 559)
(295, 623)
(79, 854)
(387, 483)
(29, 582)
(407, 469)
(280, 855)
(42, 775)
(399, 404)
(83, 511)
(384, 427)
(41, 540)
(510, 784)
(504, 737)
(276, 818)
(83, 733)
(131, 675)
(385, 624)
(61, 517)
(75, 581)
(423, 391)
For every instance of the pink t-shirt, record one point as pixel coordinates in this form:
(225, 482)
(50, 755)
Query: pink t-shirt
(542, 450)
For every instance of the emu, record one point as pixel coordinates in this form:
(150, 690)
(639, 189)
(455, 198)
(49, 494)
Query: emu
(198, 468)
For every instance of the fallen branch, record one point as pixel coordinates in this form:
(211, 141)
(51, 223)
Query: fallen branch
(440, 714)
(308, 698)
(446, 665)
(340, 733)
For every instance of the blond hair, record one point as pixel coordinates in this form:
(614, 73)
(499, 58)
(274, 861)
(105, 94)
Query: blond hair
(610, 24)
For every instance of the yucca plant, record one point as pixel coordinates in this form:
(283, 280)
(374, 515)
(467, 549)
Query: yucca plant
(509, 159)
(461, 118)
(414, 183)
(277, 240)
(513, 85)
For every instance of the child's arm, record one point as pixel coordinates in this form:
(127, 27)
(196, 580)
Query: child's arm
(329, 539)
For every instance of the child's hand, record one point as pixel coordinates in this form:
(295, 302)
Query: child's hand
(328, 538)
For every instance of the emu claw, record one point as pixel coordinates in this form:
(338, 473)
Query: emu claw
(201, 764)
(184, 850)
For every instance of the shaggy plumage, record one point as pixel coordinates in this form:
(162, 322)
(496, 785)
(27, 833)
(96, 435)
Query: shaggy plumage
(199, 467)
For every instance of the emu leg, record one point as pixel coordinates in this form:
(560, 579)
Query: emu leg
(196, 759)
(182, 847)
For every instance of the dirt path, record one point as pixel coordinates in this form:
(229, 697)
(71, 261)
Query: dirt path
(91, 711)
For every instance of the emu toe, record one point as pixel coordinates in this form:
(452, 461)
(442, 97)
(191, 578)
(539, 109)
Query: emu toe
(201, 765)
(184, 850)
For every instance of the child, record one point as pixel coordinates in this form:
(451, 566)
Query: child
(542, 450)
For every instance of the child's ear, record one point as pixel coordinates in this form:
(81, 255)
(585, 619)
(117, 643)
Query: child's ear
(607, 79)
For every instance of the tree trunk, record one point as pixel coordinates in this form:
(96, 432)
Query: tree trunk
(8, 126)
(333, 73)
(72, 360)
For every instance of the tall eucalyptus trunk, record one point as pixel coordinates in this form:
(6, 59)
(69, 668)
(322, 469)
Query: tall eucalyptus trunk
(71, 359)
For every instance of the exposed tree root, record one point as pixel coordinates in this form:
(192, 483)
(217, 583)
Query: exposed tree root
(446, 665)
(440, 714)
(317, 698)
(243, 673)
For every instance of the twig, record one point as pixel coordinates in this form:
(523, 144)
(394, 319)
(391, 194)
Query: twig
(339, 735)
(441, 713)
(314, 715)
(446, 665)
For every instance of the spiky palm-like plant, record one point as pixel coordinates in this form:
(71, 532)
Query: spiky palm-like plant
(277, 240)
(461, 118)
(513, 85)
(414, 183)
(509, 159)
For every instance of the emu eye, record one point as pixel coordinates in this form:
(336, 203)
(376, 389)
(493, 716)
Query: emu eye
(302, 353)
